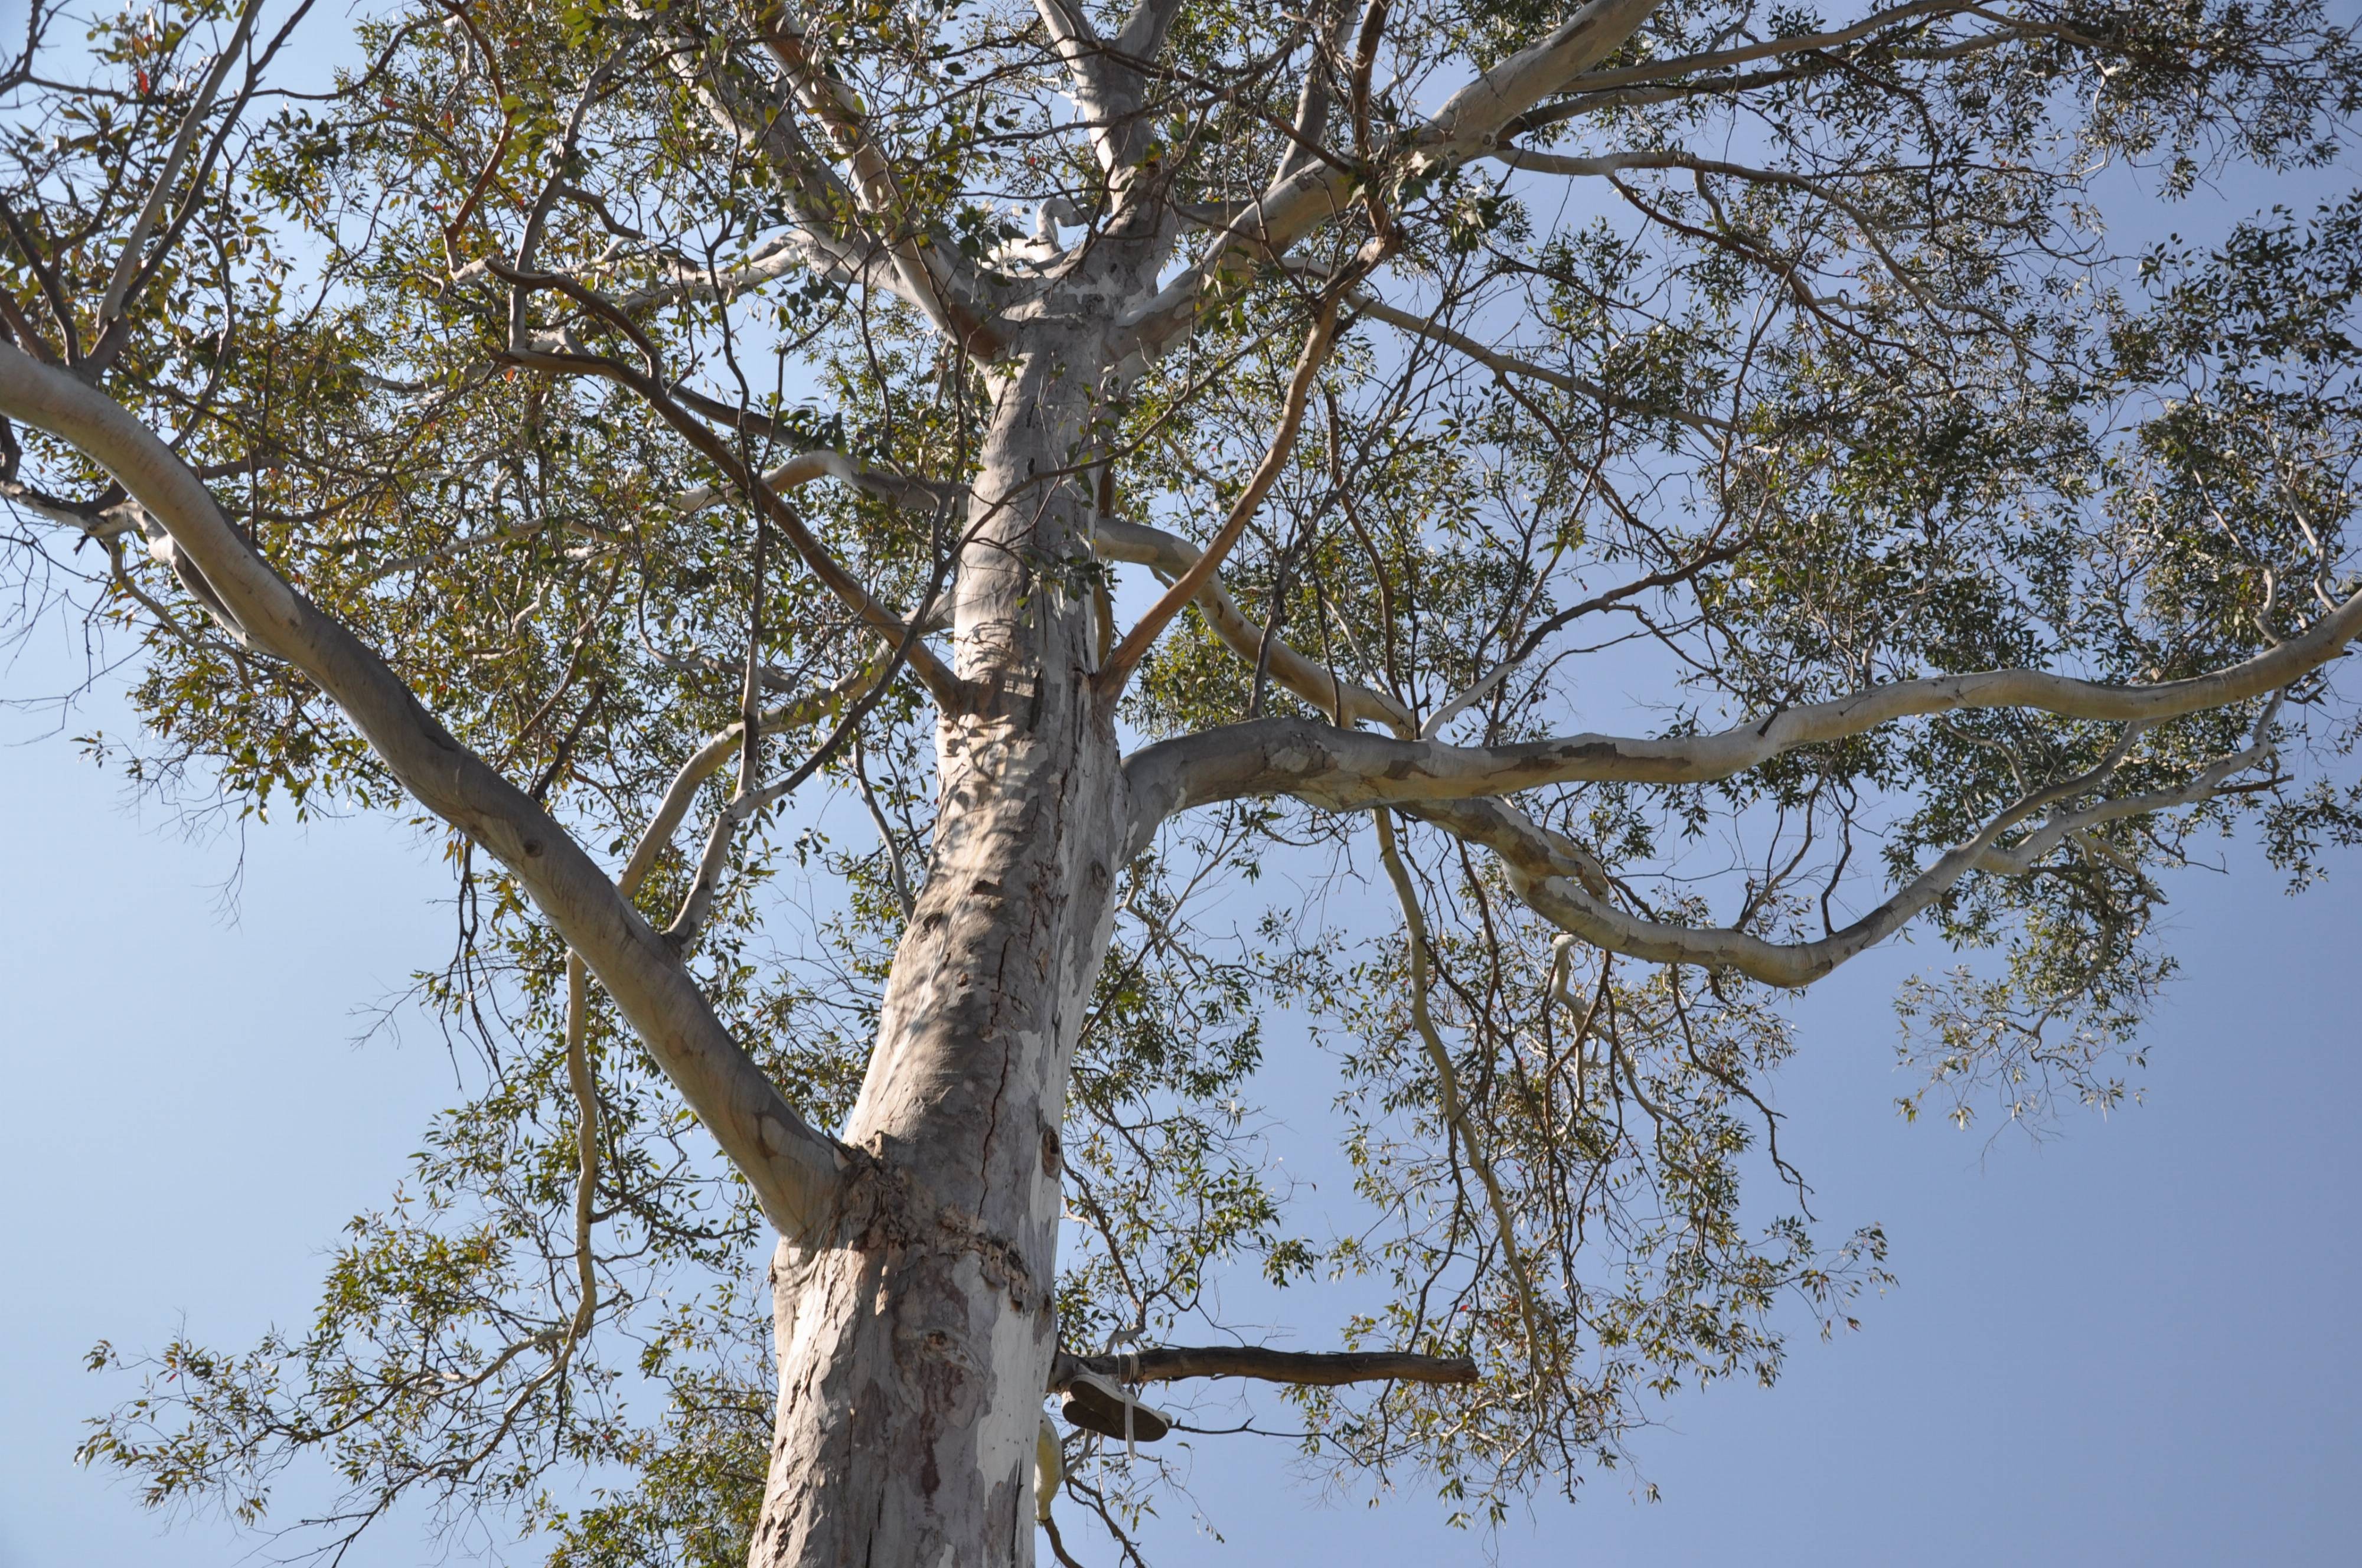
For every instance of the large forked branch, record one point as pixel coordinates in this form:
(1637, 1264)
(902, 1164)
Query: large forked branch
(1561, 881)
(1466, 129)
(1566, 889)
(1346, 770)
(1105, 91)
(830, 229)
(923, 266)
(1169, 1363)
(1564, 883)
(792, 1168)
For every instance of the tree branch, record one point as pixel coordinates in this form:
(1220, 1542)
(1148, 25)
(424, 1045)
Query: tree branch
(1096, 82)
(925, 268)
(1563, 883)
(837, 244)
(1568, 904)
(708, 759)
(1345, 770)
(793, 1169)
(1169, 1363)
(1466, 129)
(1144, 632)
(1454, 1106)
(940, 681)
(1171, 555)
(1474, 116)
(1502, 364)
(819, 463)
(127, 266)
(1720, 59)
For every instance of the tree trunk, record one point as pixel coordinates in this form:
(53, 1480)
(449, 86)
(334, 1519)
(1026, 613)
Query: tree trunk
(915, 1330)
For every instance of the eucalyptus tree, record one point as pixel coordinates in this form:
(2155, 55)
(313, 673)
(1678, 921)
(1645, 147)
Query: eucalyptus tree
(883, 535)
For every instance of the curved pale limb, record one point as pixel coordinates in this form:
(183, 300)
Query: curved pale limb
(829, 232)
(793, 1169)
(1349, 771)
(930, 278)
(1563, 881)
(1566, 886)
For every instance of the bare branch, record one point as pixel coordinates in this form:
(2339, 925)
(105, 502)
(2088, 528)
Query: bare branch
(1317, 95)
(708, 758)
(1454, 1105)
(829, 232)
(1502, 364)
(806, 468)
(1474, 116)
(1169, 1363)
(1097, 82)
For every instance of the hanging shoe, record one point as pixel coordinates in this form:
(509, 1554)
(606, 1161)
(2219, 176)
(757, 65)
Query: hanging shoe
(1096, 1404)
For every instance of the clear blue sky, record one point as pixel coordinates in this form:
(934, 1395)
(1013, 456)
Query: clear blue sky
(2136, 1344)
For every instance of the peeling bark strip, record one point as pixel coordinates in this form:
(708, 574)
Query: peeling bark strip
(913, 1353)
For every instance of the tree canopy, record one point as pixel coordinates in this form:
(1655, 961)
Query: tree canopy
(1588, 517)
